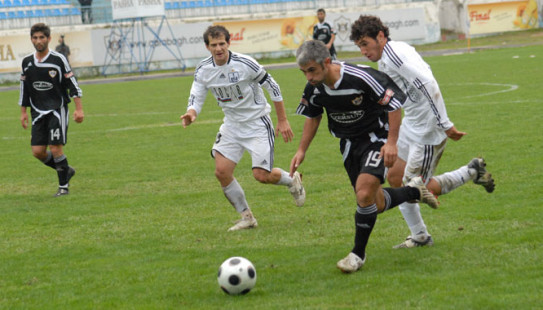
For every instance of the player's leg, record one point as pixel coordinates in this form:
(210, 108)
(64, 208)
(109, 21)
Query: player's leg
(475, 170)
(227, 153)
(261, 149)
(58, 131)
(39, 141)
(421, 160)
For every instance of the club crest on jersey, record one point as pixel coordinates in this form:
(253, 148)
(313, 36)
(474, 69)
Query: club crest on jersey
(358, 100)
(386, 98)
(52, 73)
(233, 77)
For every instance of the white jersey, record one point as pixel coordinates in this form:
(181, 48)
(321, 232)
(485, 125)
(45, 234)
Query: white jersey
(237, 86)
(425, 116)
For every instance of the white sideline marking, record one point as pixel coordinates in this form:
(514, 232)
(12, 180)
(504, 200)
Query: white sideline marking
(211, 121)
(508, 88)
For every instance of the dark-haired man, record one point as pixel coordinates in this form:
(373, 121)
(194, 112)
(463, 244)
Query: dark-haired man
(236, 82)
(425, 125)
(47, 83)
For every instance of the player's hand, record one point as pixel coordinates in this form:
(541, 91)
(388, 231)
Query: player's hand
(296, 162)
(389, 152)
(283, 128)
(454, 134)
(24, 120)
(79, 116)
(188, 118)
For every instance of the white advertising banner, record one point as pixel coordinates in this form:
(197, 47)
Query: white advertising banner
(404, 24)
(187, 37)
(124, 9)
(14, 48)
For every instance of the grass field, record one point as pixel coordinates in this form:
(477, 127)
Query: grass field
(144, 226)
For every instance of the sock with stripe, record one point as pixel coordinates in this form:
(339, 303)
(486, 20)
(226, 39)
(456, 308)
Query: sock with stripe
(49, 161)
(61, 164)
(365, 219)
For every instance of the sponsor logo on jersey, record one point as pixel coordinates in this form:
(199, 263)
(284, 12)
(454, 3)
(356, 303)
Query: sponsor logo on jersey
(347, 118)
(358, 100)
(53, 73)
(234, 77)
(42, 86)
(222, 76)
(386, 98)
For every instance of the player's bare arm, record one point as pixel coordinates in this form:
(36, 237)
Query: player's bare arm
(283, 126)
(188, 118)
(310, 130)
(24, 118)
(78, 113)
(389, 151)
(454, 134)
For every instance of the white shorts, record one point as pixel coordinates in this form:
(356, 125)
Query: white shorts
(256, 137)
(421, 159)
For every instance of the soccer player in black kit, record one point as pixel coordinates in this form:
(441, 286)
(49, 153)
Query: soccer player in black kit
(46, 80)
(363, 107)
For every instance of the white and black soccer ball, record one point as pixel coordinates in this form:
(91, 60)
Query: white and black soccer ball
(237, 275)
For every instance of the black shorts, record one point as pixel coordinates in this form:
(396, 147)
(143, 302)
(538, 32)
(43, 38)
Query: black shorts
(362, 156)
(51, 128)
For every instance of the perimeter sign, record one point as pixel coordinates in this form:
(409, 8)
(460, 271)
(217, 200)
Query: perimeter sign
(125, 9)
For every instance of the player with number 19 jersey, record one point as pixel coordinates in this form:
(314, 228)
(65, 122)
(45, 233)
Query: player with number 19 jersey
(357, 107)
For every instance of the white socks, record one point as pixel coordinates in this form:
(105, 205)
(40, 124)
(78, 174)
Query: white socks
(413, 218)
(453, 179)
(285, 178)
(235, 194)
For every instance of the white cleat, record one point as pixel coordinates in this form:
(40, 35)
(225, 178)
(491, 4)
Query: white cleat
(244, 223)
(297, 189)
(426, 196)
(351, 263)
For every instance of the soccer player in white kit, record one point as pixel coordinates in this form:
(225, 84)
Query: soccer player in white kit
(236, 81)
(425, 125)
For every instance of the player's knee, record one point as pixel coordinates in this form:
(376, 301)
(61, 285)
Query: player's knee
(394, 180)
(261, 175)
(365, 197)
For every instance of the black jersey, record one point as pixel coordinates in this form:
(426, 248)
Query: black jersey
(45, 85)
(323, 32)
(359, 105)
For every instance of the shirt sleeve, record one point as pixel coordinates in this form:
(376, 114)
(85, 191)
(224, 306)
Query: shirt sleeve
(307, 107)
(267, 82)
(24, 98)
(197, 97)
(417, 72)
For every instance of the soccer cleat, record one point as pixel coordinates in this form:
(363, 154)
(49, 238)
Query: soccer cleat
(426, 196)
(71, 173)
(244, 223)
(483, 177)
(411, 243)
(297, 189)
(62, 192)
(351, 263)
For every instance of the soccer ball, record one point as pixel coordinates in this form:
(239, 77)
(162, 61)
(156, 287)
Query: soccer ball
(237, 275)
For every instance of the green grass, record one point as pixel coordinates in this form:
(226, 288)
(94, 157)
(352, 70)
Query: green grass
(144, 226)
